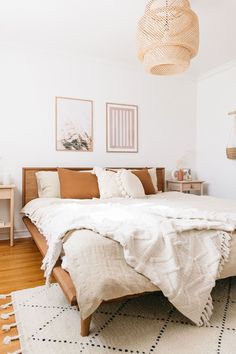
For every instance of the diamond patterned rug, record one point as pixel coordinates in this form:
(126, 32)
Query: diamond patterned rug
(145, 325)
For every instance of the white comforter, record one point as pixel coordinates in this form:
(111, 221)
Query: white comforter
(158, 237)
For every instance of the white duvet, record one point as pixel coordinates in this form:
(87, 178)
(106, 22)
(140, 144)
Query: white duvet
(159, 239)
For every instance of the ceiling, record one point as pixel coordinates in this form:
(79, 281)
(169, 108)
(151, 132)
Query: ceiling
(106, 29)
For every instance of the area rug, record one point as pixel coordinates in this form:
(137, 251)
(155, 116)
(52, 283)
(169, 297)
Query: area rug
(146, 325)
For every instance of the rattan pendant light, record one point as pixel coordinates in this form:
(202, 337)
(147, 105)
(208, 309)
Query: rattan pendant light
(168, 36)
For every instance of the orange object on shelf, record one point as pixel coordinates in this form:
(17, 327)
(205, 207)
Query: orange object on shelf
(180, 175)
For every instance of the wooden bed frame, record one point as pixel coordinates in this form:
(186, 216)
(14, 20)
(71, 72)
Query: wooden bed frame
(30, 192)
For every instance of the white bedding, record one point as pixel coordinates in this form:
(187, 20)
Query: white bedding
(159, 238)
(100, 273)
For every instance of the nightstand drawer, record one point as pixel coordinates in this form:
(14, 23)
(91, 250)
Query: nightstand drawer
(196, 186)
(173, 187)
(5, 193)
(186, 186)
(191, 186)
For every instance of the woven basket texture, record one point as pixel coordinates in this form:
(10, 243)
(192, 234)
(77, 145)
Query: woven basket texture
(168, 36)
(231, 153)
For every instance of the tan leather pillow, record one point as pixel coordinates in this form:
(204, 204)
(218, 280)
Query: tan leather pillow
(78, 185)
(146, 181)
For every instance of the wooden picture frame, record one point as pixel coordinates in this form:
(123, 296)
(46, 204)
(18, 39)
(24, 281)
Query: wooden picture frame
(74, 124)
(121, 127)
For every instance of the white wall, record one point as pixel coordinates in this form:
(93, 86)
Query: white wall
(29, 81)
(216, 97)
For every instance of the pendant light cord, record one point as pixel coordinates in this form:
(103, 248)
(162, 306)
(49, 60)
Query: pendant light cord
(232, 136)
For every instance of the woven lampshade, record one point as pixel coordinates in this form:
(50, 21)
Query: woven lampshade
(168, 36)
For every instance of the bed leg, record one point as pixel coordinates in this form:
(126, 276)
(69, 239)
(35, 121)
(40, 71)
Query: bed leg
(85, 326)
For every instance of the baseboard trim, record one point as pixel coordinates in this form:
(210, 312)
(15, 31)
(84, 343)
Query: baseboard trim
(17, 234)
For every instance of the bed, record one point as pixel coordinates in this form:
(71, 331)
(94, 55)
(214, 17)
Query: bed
(30, 192)
(192, 223)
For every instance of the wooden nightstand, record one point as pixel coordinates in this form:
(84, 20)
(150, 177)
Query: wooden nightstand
(185, 186)
(7, 193)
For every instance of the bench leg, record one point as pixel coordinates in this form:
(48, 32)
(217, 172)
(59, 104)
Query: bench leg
(85, 326)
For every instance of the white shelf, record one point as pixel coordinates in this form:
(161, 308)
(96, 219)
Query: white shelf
(6, 225)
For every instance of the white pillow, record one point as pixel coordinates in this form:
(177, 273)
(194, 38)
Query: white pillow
(107, 183)
(153, 174)
(48, 184)
(130, 185)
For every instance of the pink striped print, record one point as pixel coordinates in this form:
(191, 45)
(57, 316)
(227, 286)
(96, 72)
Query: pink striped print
(122, 128)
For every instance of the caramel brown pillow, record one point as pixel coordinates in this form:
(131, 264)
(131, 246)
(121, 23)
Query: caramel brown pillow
(146, 181)
(78, 185)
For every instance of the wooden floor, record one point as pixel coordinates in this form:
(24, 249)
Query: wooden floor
(19, 269)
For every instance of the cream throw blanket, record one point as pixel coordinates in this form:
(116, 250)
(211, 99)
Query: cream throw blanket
(158, 238)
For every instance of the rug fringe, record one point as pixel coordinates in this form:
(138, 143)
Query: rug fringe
(17, 352)
(4, 296)
(5, 306)
(7, 327)
(6, 316)
(8, 339)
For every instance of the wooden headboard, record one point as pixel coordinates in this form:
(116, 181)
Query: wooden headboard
(29, 183)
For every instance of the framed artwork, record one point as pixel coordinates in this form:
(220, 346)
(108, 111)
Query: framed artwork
(122, 128)
(74, 124)
(187, 174)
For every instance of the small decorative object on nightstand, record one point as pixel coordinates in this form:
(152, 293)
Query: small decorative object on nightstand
(185, 186)
(7, 193)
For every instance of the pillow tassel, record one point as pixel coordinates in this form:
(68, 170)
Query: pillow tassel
(6, 316)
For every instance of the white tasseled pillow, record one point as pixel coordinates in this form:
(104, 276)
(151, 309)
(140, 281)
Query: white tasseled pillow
(130, 185)
(107, 183)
